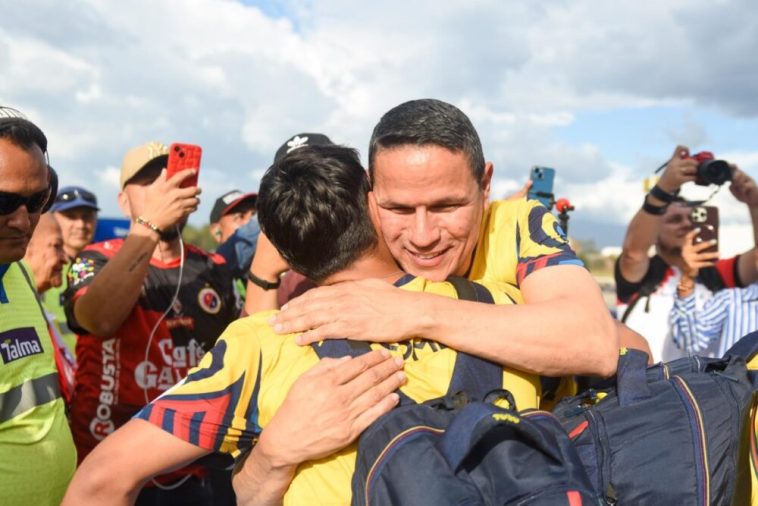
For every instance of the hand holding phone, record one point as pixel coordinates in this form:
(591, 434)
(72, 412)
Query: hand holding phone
(706, 218)
(542, 185)
(183, 156)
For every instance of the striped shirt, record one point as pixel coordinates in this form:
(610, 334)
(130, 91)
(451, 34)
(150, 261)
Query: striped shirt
(723, 320)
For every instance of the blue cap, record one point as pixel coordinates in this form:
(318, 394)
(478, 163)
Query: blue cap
(74, 196)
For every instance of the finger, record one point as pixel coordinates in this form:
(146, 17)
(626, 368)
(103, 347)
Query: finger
(371, 414)
(333, 330)
(681, 152)
(367, 370)
(376, 392)
(345, 368)
(179, 177)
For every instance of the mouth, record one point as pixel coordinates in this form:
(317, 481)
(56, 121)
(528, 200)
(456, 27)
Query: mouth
(431, 259)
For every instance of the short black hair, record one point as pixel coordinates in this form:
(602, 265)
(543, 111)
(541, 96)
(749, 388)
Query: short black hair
(23, 133)
(423, 122)
(312, 205)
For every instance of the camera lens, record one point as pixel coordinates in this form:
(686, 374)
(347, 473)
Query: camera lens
(714, 172)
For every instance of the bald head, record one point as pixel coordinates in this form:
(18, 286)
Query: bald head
(45, 255)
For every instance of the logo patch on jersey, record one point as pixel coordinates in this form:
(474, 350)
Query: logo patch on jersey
(19, 343)
(209, 300)
(81, 270)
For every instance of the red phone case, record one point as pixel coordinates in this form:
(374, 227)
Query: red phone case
(706, 218)
(184, 156)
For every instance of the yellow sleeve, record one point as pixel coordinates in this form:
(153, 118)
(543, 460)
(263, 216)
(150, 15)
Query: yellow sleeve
(216, 406)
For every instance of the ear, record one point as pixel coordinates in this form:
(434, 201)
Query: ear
(215, 230)
(486, 183)
(123, 204)
(373, 209)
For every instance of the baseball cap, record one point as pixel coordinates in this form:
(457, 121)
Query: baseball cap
(300, 140)
(70, 197)
(228, 201)
(138, 157)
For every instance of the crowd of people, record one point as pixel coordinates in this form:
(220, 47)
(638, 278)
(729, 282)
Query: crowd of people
(146, 370)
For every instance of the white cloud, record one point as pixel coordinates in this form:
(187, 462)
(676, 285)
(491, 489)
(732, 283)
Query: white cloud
(101, 76)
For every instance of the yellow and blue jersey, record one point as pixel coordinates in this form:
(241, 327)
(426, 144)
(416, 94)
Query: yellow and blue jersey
(517, 238)
(224, 403)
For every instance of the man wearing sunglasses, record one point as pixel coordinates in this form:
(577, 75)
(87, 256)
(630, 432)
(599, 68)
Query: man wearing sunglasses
(37, 455)
(75, 209)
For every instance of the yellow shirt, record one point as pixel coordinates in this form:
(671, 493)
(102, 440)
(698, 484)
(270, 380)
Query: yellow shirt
(518, 237)
(224, 403)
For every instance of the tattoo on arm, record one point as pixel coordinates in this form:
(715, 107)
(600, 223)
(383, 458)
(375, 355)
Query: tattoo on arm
(137, 262)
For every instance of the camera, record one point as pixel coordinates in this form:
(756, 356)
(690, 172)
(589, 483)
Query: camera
(711, 171)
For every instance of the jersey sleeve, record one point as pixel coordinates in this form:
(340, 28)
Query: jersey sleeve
(216, 406)
(83, 270)
(541, 241)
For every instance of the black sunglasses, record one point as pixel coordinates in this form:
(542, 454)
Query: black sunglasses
(9, 202)
(71, 195)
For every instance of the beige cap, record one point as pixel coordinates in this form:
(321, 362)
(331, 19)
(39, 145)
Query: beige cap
(136, 159)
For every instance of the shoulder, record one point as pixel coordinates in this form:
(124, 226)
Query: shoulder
(214, 258)
(100, 249)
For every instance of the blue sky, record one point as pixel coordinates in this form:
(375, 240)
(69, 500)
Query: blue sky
(602, 91)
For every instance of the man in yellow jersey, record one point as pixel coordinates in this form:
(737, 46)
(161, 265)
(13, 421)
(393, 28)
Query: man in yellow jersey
(37, 454)
(313, 206)
(431, 186)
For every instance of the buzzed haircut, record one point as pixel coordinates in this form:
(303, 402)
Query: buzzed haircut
(312, 205)
(424, 122)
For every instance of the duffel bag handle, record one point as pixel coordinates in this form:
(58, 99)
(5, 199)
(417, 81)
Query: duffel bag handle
(631, 378)
(745, 347)
(477, 420)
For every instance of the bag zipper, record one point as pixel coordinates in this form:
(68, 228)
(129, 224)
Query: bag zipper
(698, 433)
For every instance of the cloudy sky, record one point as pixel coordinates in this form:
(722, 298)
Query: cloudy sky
(602, 91)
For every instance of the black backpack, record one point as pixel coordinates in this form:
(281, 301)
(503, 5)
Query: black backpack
(666, 434)
(462, 448)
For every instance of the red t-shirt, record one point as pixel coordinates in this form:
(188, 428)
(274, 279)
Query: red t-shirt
(118, 375)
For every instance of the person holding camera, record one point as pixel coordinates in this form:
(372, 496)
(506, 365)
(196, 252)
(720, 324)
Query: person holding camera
(646, 285)
(724, 319)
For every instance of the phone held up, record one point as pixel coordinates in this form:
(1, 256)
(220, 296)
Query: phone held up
(184, 156)
(542, 185)
(706, 218)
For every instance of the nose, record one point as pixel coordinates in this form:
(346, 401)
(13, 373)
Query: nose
(426, 232)
(20, 219)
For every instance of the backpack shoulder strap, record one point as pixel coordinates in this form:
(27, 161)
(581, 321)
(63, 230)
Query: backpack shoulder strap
(473, 375)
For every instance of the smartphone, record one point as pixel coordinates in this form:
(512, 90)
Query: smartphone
(542, 185)
(184, 156)
(706, 218)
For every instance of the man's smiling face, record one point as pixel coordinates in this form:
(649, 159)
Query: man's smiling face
(430, 208)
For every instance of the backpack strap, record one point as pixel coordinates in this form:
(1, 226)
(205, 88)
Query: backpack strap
(473, 375)
(631, 378)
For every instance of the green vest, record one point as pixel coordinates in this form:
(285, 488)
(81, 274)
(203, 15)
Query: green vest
(37, 453)
(51, 299)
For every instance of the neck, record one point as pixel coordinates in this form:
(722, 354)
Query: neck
(672, 256)
(70, 253)
(376, 264)
(167, 251)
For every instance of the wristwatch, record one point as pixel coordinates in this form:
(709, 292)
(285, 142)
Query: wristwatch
(262, 283)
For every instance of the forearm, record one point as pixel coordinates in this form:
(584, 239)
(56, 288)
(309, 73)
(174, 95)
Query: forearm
(258, 481)
(553, 338)
(120, 280)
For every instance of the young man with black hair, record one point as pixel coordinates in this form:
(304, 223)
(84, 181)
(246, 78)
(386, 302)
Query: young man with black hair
(37, 454)
(314, 208)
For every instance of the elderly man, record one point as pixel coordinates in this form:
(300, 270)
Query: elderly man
(37, 454)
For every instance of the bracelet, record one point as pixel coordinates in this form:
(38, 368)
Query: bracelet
(147, 223)
(262, 283)
(662, 195)
(652, 209)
